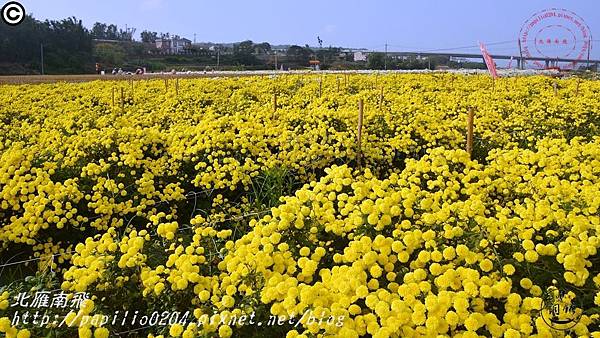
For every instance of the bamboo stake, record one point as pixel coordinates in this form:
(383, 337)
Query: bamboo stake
(470, 132)
(320, 86)
(359, 133)
(122, 98)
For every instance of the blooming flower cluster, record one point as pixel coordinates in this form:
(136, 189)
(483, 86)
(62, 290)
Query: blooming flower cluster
(447, 246)
(210, 200)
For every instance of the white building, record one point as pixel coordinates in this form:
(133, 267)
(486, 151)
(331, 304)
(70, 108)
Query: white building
(360, 56)
(173, 45)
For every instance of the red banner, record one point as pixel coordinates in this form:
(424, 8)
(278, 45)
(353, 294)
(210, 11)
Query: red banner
(489, 62)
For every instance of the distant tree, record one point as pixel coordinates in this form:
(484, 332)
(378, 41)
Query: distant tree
(66, 43)
(99, 30)
(67, 46)
(109, 54)
(294, 50)
(376, 61)
(244, 47)
(137, 49)
(410, 62)
(148, 36)
(263, 48)
(102, 31)
(126, 35)
(112, 32)
(21, 43)
(299, 55)
(328, 56)
(243, 53)
(438, 60)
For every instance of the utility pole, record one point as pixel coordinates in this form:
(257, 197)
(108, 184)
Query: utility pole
(275, 60)
(521, 61)
(42, 56)
(194, 38)
(588, 56)
(386, 56)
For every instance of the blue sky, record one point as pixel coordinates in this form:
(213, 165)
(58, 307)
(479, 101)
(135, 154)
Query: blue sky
(403, 25)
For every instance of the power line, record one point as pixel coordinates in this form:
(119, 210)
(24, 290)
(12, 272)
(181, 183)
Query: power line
(500, 46)
(469, 47)
(424, 50)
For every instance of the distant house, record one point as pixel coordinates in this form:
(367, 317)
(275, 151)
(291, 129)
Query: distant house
(458, 59)
(280, 49)
(360, 56)
(173, 45)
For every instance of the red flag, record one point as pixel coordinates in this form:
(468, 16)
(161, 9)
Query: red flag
(491, 66)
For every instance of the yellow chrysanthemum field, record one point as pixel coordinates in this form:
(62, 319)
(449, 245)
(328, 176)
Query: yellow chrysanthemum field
(195, 208)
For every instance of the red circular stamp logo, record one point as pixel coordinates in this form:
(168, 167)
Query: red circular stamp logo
(555, 34)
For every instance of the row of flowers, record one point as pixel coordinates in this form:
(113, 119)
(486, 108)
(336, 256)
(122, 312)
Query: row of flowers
(212, 201)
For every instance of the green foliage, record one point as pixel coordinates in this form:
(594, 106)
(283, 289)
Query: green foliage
(376, 61)
(109, 54)
(243, 53)
(104, 31)
(149, 37)
(299, 55)
(268, 187)
(67, 45)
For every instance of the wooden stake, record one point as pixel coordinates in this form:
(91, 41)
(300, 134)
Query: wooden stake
(177, 86)
(320, 86)
(274, 102)
(381, 98)
(554, 85)
(470, 132)
(166, 85)
(122, 98)
(577, 88)
(113, 96)
(359, 134)
(132, 90)
(338, 83)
